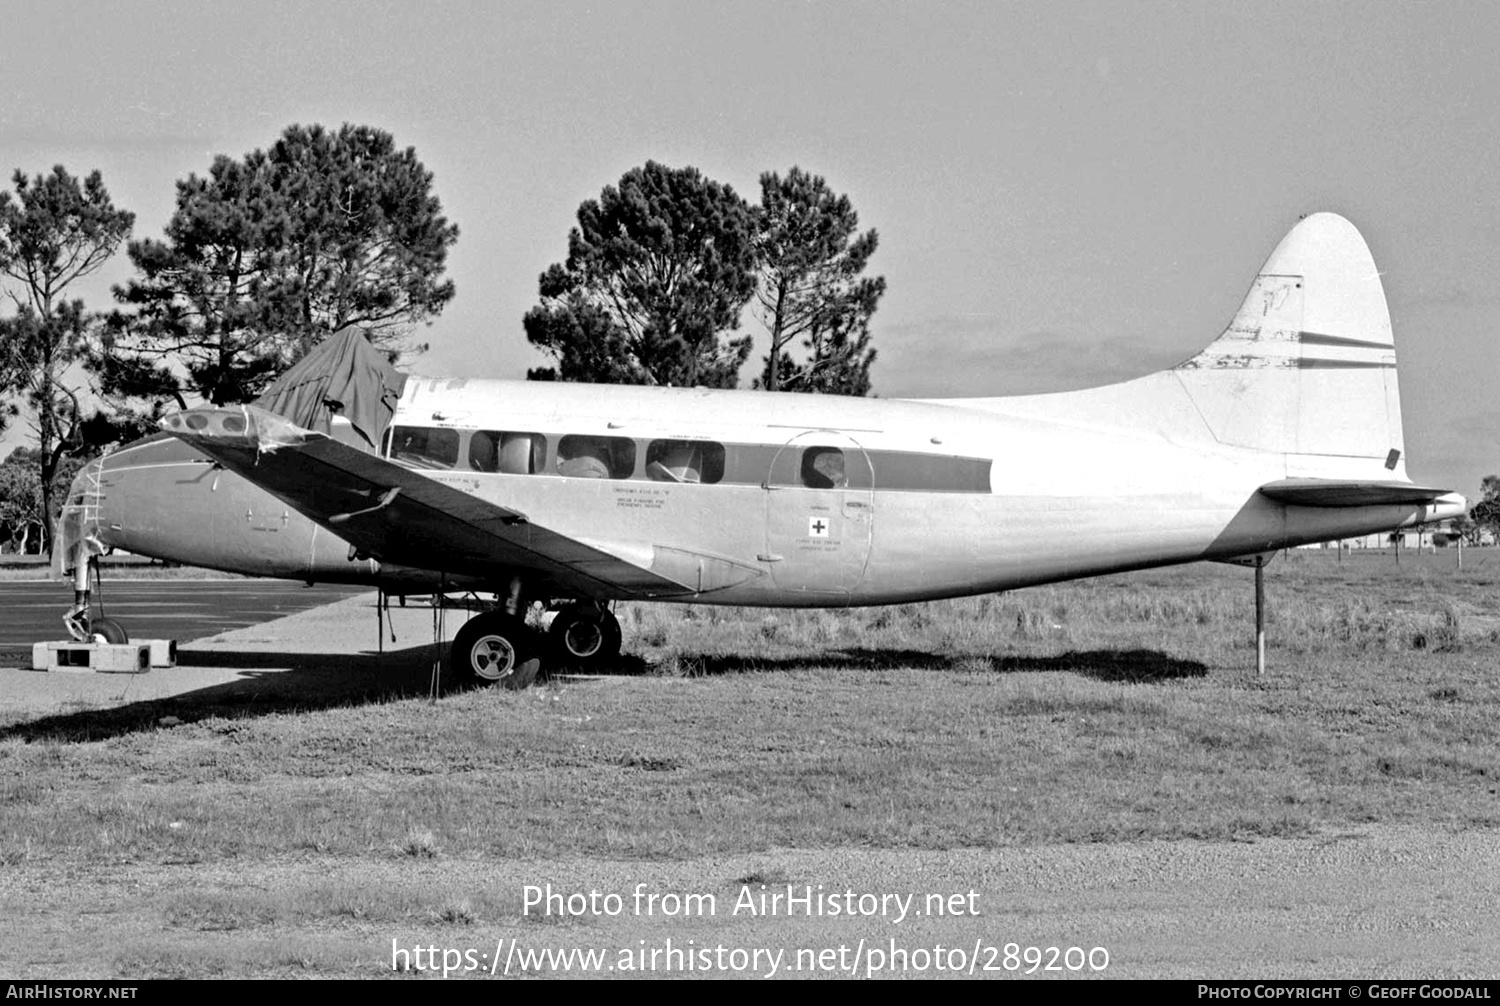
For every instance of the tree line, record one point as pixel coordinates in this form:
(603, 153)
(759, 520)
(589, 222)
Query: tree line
(268, 254)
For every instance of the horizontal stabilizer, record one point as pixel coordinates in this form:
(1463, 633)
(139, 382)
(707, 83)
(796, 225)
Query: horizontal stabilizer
(1341, 493)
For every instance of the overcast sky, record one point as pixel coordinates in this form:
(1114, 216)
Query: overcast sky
(1066, 194)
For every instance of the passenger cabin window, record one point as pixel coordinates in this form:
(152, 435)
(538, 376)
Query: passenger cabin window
(698, 461)
(508, 453)
(585, 457)
(424, 447)
(823, 468)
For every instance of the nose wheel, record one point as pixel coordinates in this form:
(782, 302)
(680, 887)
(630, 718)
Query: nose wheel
(494, 648)
(585, 635)
(111, 630)
(79, 621)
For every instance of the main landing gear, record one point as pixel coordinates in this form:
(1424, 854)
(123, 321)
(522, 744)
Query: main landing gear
(585, 635)
(494, 648)
(499, 648)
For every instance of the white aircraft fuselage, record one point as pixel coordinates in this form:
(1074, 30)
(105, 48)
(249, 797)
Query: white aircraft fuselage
(939, 499)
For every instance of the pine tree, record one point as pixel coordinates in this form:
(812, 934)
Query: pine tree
(658, 269)
(55, 230)
(812, 287)
(268, 255)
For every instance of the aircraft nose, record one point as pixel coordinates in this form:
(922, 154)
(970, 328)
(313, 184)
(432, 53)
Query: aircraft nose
(86, 482)
(80, 514)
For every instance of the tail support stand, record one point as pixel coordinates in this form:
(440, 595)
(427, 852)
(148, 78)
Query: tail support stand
(1258, 562)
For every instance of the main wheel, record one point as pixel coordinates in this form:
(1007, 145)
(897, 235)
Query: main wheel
(111, 630)
(496, 649)
(586, 635)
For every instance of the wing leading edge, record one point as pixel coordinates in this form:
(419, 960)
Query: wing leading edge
(399, 516)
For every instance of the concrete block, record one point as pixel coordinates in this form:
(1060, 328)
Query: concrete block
(91, 658)
(163, 651)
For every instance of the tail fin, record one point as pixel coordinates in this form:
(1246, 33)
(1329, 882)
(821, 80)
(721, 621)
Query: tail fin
(1308, 365)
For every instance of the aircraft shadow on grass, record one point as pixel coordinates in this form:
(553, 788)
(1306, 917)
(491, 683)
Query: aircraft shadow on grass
(279, 682)
(271, 683)
(1134, 666)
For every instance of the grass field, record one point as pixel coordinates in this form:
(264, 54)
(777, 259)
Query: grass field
(1110, 710)
(1113, 708)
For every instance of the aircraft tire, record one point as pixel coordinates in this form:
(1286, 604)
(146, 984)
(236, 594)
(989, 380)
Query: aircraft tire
(111, 630)
(586, 636)
(495, 649)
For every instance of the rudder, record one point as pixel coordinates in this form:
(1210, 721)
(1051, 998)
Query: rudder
(1308, 365)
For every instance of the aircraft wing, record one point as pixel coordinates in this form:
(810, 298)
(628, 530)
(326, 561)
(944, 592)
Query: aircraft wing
(400, 516)
(1339, 493)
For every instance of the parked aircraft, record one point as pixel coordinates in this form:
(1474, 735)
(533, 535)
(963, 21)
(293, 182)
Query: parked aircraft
(1285, 430)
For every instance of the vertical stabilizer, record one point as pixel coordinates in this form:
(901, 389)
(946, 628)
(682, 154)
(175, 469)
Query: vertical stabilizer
(1308, 365)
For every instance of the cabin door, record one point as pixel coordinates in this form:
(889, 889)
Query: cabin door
(820, 514)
